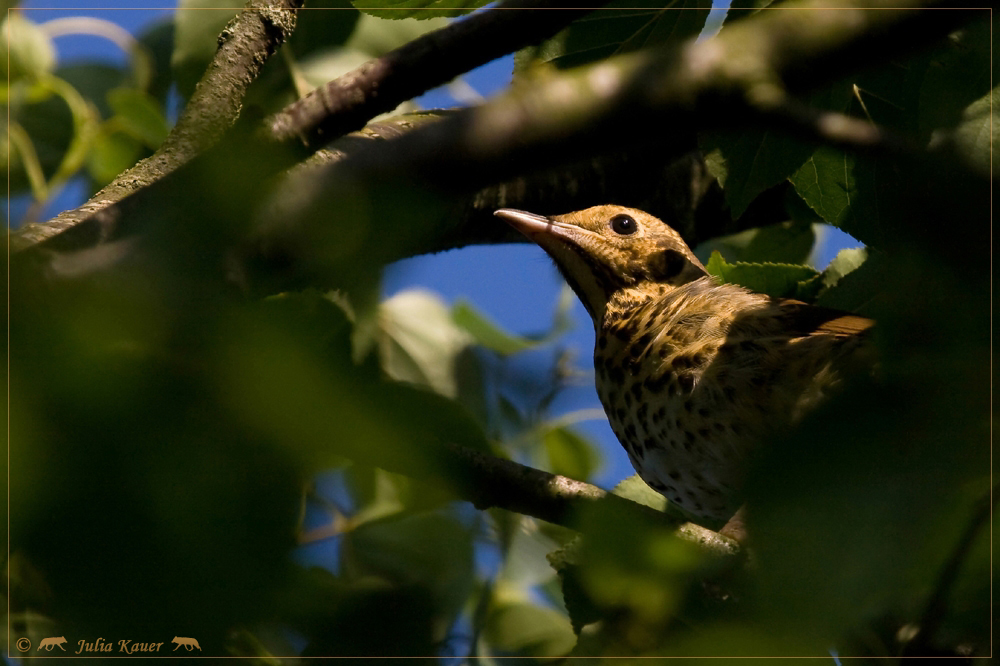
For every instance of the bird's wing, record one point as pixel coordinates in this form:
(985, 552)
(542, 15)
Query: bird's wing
(816, 320)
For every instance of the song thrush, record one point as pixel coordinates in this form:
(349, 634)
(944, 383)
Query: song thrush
(693, 374)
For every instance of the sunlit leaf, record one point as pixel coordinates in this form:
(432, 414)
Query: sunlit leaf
(778, 280)
(420, 340)
(635, 489)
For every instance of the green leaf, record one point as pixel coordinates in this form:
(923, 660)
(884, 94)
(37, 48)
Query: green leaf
(30, 52)
(787, 242)
(778, 280)
(487, 333)
(418, 9)
(856, 289)
(851, 193)
(139, 114)
(323, 24)
(740, 9)
(569, 454)
(112, 153)
(846, 261)
(620, 27)
(431, 550)
(420, 340)
(749, 161)
(635, 489)
(636, 564)
(525, 566)
(523, 629)
(957, 76)
(974, 135)
(378, 36)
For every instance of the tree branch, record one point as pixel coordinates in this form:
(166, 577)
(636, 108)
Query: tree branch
(245, 45)
(743, 76)
(328, 112)
(382, 84)
(495, 482)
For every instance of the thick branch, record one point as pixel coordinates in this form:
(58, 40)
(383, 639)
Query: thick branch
(382, 84)
(661, 97)
(244, 46)
(637, 104)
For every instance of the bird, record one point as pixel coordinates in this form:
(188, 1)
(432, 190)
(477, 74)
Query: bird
(694, 375)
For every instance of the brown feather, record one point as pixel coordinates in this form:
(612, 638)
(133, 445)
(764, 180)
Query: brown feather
(817, 320)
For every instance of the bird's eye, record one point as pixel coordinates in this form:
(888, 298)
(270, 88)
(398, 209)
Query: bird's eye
(623, 224)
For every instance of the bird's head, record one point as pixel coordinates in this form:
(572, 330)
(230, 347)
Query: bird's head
(604, 249)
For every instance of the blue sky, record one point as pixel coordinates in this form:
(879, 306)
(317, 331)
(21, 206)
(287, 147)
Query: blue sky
(516, 285)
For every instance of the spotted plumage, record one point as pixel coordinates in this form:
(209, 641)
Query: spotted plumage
(692, 374)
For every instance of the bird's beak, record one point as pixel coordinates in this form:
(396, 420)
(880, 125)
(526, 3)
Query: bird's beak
(529, 224)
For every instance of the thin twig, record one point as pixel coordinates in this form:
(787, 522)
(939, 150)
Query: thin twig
(245, 45)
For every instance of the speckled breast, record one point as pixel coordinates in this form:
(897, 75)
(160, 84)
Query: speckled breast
(679, 435)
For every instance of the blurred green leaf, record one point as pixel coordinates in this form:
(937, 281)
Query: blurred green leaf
(618, 27)
(418, 9)
(30, 52)
(377, 36)
(525, 565)
(138, 114)
(487, 333)
(636, 568)
(420, 341)
(323, 25)
(94, 82)
(569, 454)
(113, 152)
(197, 25)
(778, 280)
(523, 629)
(21, 158)
(432, 551)
(957, 76)
(740, 9)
